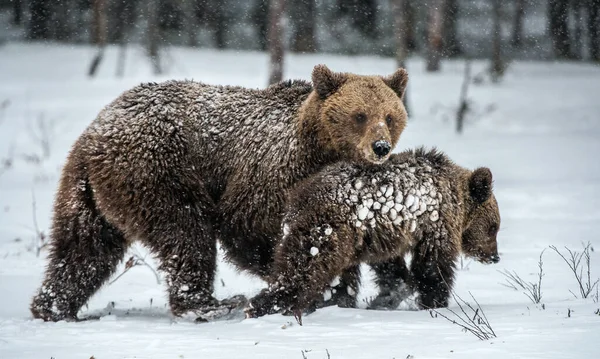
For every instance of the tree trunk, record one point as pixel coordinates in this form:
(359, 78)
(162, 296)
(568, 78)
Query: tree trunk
(411, 25)
(216, 20)
(497, 68)
(38, 24)
(451, 45)
(363, 14)
(577, 45)
(63, 19)
(190, 21)
(517, 35)
(99, 22)
(153, 33)
(260, 18)
(276, 9)
(120, 19)
(558, 12)
(17, 11)
(304, 26)
(398, 8)
(593, 10)
(125, 21)
(434, 34)
(98, 34)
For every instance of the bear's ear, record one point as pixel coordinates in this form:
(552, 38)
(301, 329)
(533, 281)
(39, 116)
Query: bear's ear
(397, 82)
(480, 185)
(326, 82)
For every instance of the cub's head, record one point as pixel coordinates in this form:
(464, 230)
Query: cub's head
(363, 116)
(483, 218)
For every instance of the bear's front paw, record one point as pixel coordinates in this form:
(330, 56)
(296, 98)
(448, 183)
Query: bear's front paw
(432, 302)
(389, 301)
(262, 304)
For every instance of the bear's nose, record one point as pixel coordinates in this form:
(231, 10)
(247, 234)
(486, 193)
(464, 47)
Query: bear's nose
(381, 148)
(495, 258)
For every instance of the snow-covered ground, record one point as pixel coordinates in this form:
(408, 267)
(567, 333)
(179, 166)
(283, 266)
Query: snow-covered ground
(538, 130)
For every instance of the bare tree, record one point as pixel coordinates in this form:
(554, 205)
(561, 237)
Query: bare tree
(63, 19)
(451, 45)
(214, 16)
(17, 11)
(593, 10)
(39, 11)
(275, 37)
(362, 13)
(303, 39)
(98, 34)
(398, 8)
(260, 18)
(578, 7)
(153, 33)
(99, 22)
(558, 13)
(435, 23)
(498, 66)
(188, 8)
(123, 22)
(463, 102)
(517, 35)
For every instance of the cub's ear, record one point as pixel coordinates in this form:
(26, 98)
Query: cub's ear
(480, 185)
(397, 82)
(326, 82)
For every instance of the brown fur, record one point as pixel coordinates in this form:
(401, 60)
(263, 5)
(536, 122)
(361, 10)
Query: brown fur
(180, 165)
(418, 202)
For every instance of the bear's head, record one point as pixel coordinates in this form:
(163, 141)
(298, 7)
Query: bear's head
(362, 116)
(482, 219)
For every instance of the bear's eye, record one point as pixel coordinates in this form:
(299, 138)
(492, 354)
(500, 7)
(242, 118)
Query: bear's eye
(360, 117)
(388, 119)
(493, 230)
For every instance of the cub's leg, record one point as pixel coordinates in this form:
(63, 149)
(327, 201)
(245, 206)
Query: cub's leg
(433, 266)
(305, 264)
(393, 279)
(344, 293)
(341, 293)
(84, 249)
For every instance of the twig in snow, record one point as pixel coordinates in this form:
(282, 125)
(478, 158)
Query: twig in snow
(470, 319)
(7, 162)
(533, 291)
(578, 262)
(304, 353)
(42, 135)
(133, 261)
(39, 241)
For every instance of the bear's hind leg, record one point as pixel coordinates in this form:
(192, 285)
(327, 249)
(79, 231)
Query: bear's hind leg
(181, 234)
(84, 251)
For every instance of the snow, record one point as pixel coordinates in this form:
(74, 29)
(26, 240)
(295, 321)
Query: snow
(538, 131)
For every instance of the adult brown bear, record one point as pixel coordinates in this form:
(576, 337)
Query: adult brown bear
(179, 165)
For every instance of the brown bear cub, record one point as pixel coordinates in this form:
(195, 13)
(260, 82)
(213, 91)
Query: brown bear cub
(179, 165)
(418, 202)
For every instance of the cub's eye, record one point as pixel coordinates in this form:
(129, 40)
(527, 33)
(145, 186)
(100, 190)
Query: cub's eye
(360, 117)
(493, 230)
(388, 119)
